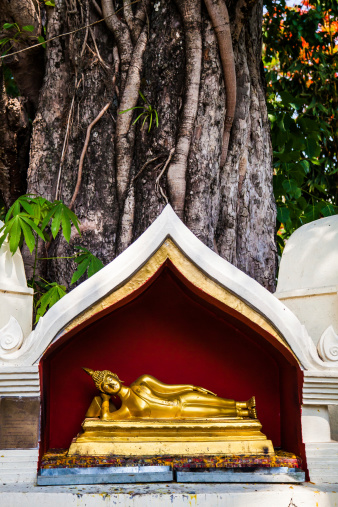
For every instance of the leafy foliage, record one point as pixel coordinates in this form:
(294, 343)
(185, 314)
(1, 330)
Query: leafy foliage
(61, 215)
(300, 59)
(32, 217)
(86, 262)
(52, 295)
(32, 214)
(17, 33)
(148, 112)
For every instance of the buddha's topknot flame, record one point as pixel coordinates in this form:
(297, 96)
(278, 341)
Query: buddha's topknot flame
(99, 375)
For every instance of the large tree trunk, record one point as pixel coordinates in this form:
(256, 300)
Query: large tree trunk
(169, 50)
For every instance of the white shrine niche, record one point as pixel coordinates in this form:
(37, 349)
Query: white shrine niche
(19, 366)
(308, 286)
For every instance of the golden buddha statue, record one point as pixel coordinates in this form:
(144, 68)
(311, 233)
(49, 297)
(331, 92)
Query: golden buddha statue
(148, 397)
(157, 419)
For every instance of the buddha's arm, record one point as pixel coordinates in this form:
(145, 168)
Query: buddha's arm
(160, 388)
(105, 412)
(153, 398)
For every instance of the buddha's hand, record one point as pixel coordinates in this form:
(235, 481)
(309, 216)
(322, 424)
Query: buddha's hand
(205, 391)
(105, 406)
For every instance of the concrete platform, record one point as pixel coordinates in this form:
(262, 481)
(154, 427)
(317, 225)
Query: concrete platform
(169, 495)
(104, 475)
(270, 475)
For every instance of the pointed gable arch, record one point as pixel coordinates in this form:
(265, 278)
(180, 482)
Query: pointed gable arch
(169, 239)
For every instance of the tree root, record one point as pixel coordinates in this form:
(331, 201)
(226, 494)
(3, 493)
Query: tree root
(97, 8)
(190, 11)
(219, 16)
(145, 165)
(140, 18)
(83, 153)
(65, 142)
(158, 187)
(121, 33)
(124, 138)
(103, 63)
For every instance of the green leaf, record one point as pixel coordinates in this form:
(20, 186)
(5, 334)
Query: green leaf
(33, 226)
(56, 222)
(283, 215)
(298, 143)
(156, 115)
(86, 261)
(28, 28)
(7, 26)
(66, 227)
(47, 218)
(72, 217)
(14, 234)
(309, 125)
(311, 213)
(61, 214)
(302, 203)
(291, 187)
(328, 210)
(49, 298)
(26, 205)
(50, 3)
(41, 39)
(81, 269)
(144, 112)
(150, 122)
(131, 109)
(312, 146)
(305, 165)
(94, 266)
(143, 97)
(13, 210)
(28, 235)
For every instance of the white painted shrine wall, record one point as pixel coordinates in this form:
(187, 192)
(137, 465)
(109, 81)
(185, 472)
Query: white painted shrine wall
(308, 281)
(300, 325)
(308, 285)
(16, 299)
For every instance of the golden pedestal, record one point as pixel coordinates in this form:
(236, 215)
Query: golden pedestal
(162, 437)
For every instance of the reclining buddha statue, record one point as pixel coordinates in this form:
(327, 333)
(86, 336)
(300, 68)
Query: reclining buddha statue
(148, 397)
(157, 419)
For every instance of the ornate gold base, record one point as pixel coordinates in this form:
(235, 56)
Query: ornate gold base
(160, 437)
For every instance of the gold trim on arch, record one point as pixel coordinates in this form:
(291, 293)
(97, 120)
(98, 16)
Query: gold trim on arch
(168, 250)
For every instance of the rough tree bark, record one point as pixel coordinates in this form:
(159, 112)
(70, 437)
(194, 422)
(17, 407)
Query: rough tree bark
(199, 64)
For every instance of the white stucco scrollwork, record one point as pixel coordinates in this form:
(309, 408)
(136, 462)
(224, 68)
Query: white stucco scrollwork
(328, 345)
(11, 337)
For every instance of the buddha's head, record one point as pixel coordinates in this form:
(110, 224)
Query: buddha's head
(105, 380)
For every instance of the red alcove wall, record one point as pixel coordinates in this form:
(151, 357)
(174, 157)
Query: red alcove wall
(175, 332)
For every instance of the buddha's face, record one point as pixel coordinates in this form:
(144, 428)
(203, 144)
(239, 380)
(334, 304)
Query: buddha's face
(110, 385)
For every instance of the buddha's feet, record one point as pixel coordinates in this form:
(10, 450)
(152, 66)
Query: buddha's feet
(247, 408)
(252, 408)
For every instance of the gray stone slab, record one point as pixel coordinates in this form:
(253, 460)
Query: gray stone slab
(278, 474)
(104, 475)
(19, 422)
